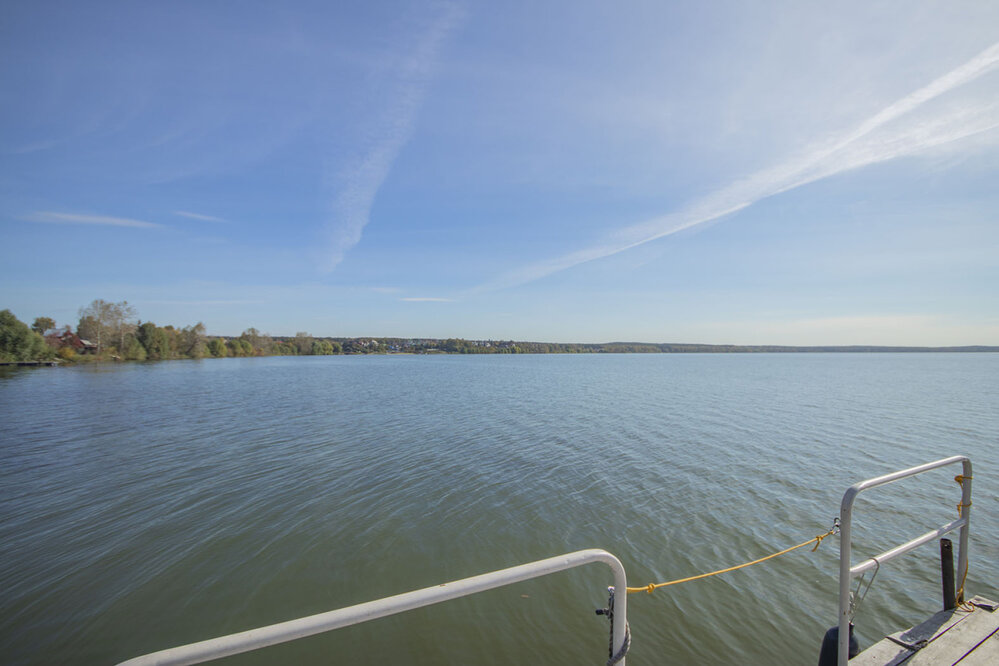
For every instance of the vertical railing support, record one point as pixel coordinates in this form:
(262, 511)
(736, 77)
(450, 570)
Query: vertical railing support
(962, 555)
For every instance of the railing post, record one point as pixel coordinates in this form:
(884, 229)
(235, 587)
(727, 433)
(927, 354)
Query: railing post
(845, 578)
(962, 558)
(620, 617)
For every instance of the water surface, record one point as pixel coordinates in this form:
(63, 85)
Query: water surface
(149, 505)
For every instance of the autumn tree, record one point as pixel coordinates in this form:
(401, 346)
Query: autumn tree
(259, 342)
(122, 322)
(106, 323)
(42, 324)
(303, 343)
(192, 340)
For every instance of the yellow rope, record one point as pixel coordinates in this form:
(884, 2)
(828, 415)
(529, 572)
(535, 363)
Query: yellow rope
(961, 603)
(652, 587)
(960, 481)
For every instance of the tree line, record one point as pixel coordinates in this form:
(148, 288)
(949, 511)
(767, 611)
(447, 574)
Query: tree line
(112, 331)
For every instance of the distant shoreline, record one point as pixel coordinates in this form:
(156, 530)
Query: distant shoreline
(109, 332)
(366, 345)
(352, 349)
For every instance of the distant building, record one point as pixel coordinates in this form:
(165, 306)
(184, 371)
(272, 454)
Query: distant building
(66, 338)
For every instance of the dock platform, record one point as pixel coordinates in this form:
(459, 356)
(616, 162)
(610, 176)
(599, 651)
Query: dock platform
(965, 637)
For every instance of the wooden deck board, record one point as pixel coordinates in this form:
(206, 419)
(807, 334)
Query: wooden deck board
(891, 651)
(948, 637)
(986, 654)
(959, 641)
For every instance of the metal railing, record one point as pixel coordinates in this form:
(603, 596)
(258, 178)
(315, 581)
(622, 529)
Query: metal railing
(255, 639)
(848, 572)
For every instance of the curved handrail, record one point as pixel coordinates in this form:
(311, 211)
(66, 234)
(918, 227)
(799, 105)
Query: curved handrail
(255, 639)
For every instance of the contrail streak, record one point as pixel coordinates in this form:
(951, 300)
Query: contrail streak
(360, 184)
(874, 140)
(74, 218)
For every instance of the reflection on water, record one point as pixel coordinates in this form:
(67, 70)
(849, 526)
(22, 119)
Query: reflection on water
(149, 505)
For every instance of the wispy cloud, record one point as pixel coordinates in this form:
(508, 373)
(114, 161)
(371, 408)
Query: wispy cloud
(426, 299)
(35, 147)
(209, 302)
(49, 217)
(198, 216)
(893, 132)
(358, 184)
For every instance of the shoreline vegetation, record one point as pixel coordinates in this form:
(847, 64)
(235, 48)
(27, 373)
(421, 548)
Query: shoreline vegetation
(112, 332)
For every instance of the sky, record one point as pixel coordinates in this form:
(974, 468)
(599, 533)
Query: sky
(724, 172)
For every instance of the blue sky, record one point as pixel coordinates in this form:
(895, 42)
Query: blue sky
(724, 172)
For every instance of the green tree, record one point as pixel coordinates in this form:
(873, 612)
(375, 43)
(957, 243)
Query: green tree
(217, 348)
(155, 341)
(133, 350)
(321, 348)
(42, 324)
(18, 342)
(281, 348)
(240, 347)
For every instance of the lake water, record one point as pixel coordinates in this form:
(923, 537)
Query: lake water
(144, 506)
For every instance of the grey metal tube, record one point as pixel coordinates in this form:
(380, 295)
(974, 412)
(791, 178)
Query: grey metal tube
(846, 524)
(888, 555)
(254, 639)
(962, 557)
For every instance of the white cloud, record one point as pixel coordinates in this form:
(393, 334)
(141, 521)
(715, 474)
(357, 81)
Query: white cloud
(198, 216)
(358, 184)
(426, 299)
(49, 217)
(199, 302)
(35, 147)
(893, 132)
